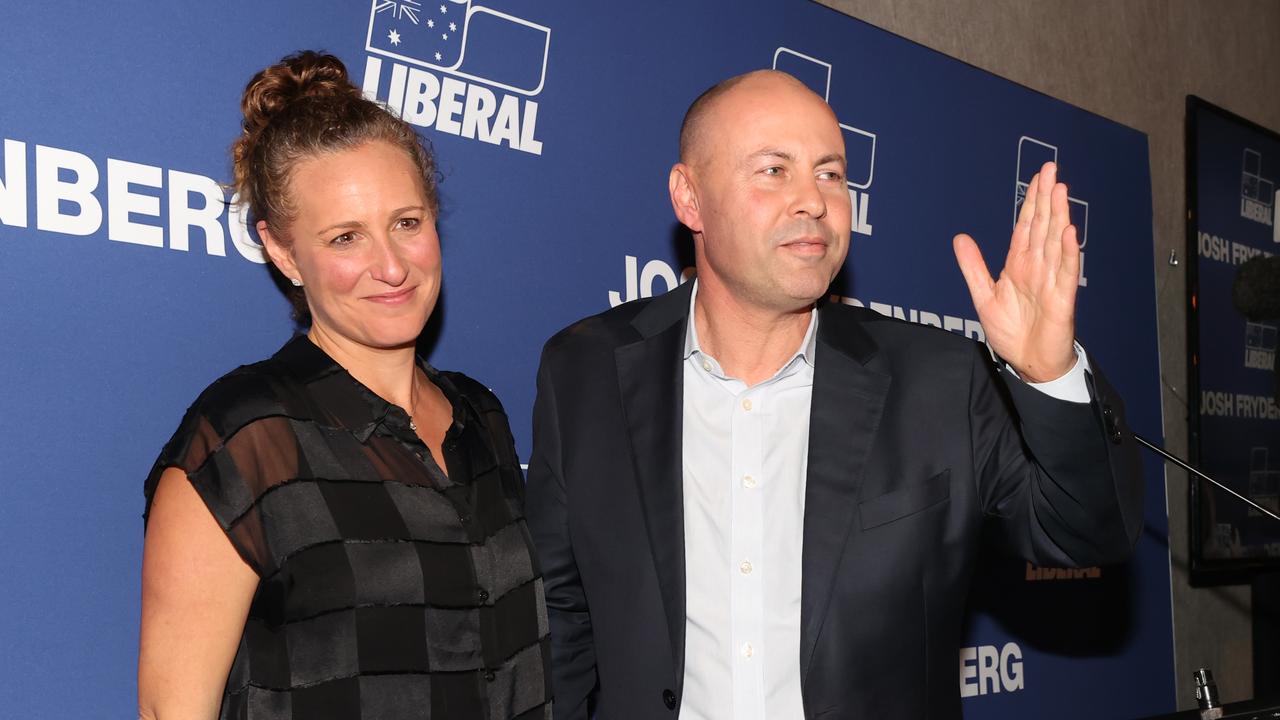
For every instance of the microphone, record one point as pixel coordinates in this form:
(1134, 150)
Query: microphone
(1256, 290)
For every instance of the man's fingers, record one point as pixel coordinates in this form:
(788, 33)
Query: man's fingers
(974, 269)
(1059, 219)
(1069, 268)
(1022, 228)
(1043, 196)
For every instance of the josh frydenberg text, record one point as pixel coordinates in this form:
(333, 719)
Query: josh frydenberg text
(68, 199)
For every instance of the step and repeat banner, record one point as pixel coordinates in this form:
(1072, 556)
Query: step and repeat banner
(128, 282)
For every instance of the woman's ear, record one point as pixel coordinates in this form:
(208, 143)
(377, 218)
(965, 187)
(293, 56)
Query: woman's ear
(281, 256)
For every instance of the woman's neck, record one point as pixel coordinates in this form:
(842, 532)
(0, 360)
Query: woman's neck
(388, 372)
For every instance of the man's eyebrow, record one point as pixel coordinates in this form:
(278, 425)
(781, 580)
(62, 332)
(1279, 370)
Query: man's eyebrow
(772, 152)
(833, 157)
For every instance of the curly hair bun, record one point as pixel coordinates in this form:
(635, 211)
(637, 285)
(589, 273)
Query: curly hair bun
(308, 74)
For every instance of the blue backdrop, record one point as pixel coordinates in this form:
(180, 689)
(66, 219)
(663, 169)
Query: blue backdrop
(127, 285)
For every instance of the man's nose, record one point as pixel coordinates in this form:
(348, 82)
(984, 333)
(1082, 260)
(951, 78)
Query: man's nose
(808, 199)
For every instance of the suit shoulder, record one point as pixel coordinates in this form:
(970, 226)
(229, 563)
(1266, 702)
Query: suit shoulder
(599, 332)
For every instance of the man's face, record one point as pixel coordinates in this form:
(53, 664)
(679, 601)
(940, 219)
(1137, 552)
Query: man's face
(768, 182)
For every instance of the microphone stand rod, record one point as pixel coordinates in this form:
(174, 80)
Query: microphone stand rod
(1177, 461)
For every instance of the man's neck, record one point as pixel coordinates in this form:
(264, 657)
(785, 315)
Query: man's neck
(750, 343)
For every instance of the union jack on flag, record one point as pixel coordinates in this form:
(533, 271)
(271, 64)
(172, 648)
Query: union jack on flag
(425, 31)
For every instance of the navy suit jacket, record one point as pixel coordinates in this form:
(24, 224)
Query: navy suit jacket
(916, 440)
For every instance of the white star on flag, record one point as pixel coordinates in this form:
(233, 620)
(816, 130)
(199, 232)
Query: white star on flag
(439, 57)
(431, 23)
(453, 27)
(443, 10)
(394, 37)
(444, 36)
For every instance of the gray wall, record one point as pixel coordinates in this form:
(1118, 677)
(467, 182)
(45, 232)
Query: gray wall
(1134, 62)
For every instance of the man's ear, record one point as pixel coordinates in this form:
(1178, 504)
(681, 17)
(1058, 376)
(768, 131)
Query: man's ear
(684, 197)
(280, 256)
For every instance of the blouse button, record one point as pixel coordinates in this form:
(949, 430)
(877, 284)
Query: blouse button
(483, 595)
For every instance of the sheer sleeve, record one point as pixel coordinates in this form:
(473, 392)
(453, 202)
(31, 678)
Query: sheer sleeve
(235, 446)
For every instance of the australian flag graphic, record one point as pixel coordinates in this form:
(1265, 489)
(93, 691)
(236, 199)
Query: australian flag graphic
(426, 32)
(477, 43)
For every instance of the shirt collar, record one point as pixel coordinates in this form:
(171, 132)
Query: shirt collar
(806, 351)
(339, 400)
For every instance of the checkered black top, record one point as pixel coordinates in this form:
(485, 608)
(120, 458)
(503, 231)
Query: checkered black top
(387, 590)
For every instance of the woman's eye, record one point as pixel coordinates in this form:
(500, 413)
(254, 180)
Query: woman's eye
(409, 223)
(343, 239)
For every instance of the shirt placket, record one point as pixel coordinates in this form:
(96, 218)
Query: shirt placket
(747, 596)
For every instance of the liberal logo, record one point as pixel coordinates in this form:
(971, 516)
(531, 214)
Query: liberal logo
(1257, 194)
(860, 145)
(1032, 155)
(448, 58)
(1259, 345)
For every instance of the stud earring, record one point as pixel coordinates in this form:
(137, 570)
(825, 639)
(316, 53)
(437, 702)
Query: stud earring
(296, 282)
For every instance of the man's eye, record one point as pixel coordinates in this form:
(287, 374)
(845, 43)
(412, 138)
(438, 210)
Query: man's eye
(343, 239)
(775, 170)
(831, 175)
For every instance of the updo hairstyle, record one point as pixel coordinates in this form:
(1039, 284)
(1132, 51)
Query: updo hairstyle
(300, 108)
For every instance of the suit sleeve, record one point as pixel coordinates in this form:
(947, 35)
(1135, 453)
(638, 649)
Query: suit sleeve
(1063, 479)
(573, 671)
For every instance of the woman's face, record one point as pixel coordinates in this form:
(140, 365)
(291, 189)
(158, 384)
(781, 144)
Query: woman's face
(363, 244)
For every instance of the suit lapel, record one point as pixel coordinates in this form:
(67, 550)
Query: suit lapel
(848, 398)
(651, 380)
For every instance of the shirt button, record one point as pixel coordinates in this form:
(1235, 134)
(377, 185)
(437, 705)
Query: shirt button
(746, 403)
(747, 650)
(483, 595)
(748, 481)
(745, 567)
(706, 366)
(489, 675)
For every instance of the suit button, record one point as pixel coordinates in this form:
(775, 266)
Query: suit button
(489, 675)
(669, 699)
(1113, 427)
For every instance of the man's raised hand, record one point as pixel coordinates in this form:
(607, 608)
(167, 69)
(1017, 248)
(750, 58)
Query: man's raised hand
(1028, 314)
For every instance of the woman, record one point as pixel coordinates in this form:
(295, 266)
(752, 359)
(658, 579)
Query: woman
(336, 531)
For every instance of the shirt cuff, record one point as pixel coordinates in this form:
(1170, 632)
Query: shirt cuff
(1071, 387)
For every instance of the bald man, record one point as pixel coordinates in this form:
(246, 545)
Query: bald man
(749, 504)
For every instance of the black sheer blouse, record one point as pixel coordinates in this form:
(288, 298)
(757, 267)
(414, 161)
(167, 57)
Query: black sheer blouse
(387, 589)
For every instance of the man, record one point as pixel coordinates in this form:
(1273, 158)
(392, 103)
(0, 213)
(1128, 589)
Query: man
(748, 504)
